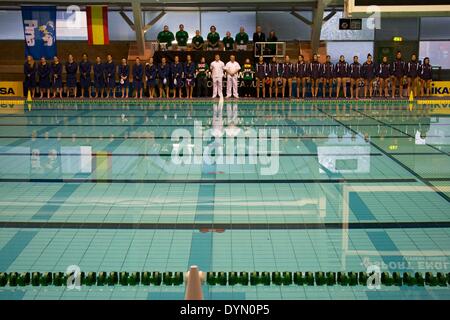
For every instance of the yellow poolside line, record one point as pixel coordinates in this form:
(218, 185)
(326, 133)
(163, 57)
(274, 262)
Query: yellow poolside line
(12, 102)
(433, 101)
(206, 100)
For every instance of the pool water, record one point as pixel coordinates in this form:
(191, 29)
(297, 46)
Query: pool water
(320, 186)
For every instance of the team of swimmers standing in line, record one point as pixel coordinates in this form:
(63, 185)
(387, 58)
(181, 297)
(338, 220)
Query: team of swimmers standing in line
(385, 79)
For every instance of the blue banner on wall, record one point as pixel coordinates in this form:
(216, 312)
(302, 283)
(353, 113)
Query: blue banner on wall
(39, 25)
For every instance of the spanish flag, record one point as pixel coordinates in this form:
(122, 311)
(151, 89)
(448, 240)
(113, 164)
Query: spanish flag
(97, 23)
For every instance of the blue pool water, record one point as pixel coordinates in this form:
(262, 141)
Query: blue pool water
(341, 186)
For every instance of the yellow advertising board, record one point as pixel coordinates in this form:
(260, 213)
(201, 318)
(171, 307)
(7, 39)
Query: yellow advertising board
(10, 107)
(440, 88)
(11, 89)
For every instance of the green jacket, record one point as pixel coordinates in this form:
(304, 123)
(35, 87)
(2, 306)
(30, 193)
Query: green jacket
(166, 36)
(182, 38)
(213, 39)
(228, 43)
(201, 69)
(241, 38)
(197, 42)
(248, 72)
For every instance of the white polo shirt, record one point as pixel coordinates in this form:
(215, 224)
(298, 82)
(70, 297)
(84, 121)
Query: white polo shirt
(217, 68)
(232, 67)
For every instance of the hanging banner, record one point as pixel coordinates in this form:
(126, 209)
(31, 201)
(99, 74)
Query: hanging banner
(11, 89)
(97, 24)
(39, 25)
(440, 88)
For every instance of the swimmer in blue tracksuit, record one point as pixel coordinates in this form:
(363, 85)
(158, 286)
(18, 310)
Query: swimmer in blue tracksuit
(355, 77)
(30, 71)
(412, 72)
(315, 72)
(164, 77)
(177, 71)
(384, 74)
(124, 78)
(71, 76)
(189, 76)
(151, 74)
(138, 75)
(109, 70)
(56, 76)
(327, 76)
(261, 71)
(398, 67)
(341, 72)
(369, 73)
(426, 75)
(99, 78)
(85, 68)
(287, 73)
(44, 77)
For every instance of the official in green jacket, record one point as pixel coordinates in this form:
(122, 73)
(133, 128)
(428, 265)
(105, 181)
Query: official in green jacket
(197, 41)
(166, 36)
(182, 38)
(213, 39)
(228, 42)
(241, 39)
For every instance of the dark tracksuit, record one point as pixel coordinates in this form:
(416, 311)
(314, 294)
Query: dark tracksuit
(189, 73)
(315, 70)
(274, 70)
(138, 73)
(287, 70)
(341, 69)
(261, 70)
(413, 69)
(71, 72)
(30, 75)
(110, 75)
(426, 72)
(99, 76)
(369, 71)
(398, 68)
(44, 76)
(164, 73)
(355, 70)
(85, 74)
(56, 75)
(124, 71)
(176, 69)
(328, 71)
(151, 72)
(384, 70)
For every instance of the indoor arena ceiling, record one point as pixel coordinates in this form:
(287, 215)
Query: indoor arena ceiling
(180, 5)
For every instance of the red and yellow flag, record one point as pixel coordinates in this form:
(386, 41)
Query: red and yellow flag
(97, 23)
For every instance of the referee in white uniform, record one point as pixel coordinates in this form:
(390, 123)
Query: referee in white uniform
(232, 68)
(217, 68)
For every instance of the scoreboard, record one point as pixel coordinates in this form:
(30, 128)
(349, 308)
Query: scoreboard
(399, 7)
(401, 2)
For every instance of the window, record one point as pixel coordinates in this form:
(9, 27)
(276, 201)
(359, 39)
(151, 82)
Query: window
(330, 30)
(228, 21)
(190, 20)
(349, 49)
(437, 51)
(434, 28)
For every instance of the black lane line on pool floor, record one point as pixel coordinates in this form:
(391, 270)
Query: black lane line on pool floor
(190, 125)
(401, 131)
(207, 181)
(29, 137)
(415, 174)
(226, 226)
(94, 154)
